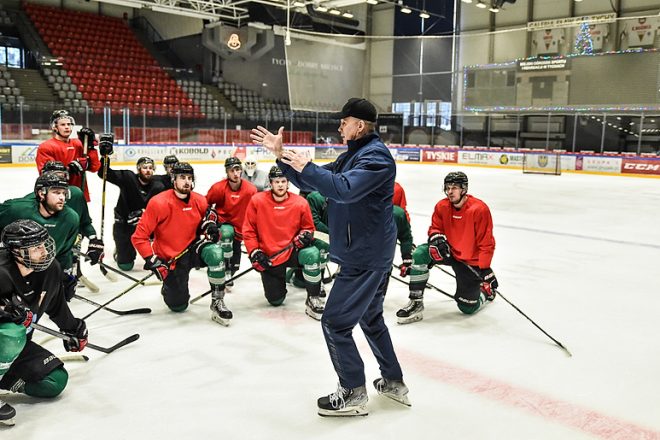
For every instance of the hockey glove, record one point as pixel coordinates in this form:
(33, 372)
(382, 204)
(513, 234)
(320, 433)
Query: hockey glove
(134, 217)
(95, 250)
(260, 260)
(88, 135)
(157, 266)
(439, 250)
(304, 239)
(405, 265)
(16, 313)
(69, 283)
(77, 337)
(105, 144)
(211, 231)
(489, 284)
(77, 167)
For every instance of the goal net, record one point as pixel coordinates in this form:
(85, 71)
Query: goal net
(542, 162)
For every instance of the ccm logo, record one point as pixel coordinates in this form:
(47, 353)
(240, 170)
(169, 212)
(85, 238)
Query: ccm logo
(641, 167)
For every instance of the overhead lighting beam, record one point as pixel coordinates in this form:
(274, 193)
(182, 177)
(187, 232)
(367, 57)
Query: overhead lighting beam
(122, 3)
(186, 12)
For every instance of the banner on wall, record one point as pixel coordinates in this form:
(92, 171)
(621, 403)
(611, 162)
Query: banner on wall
(435, 155)
(641, 166)
(5, 154)
(601, 164)
(508, 159)
(406, 154)
(23, 154)
(328, 153)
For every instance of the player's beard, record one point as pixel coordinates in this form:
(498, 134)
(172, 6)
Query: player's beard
(184, 189)
(146, 178)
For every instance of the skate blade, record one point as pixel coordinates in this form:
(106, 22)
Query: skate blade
(316, 316)
(352, 411)
(403, 400)
(409, 320)
(223, 322)
(8, 422)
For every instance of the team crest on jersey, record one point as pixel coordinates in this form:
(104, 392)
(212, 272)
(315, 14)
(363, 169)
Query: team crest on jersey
(543, 160)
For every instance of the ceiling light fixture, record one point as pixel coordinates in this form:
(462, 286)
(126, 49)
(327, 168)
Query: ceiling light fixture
(372, 2)
(494, 9)
(185, 12)
(467, 1)
(406, 10)
(481, 5)
(335, 12)
(347, 14)
(424, 15)
(321, 8)
(298, 4)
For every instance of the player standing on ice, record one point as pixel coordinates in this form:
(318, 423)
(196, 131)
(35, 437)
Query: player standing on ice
(230, 198)
(135, 190)
(273, 220)
(169, 228)
(30, 286)
(461, 233)
(257, 177)
(69, 151)
(359, 186)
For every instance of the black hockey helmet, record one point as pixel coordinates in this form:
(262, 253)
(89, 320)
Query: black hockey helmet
(275, 172)
(182, 168)
(59, 114)
(48, 180)
(170, 160)
(232, 162)
(57, 166)
(457, 178)
(144, 160)
(22, 235)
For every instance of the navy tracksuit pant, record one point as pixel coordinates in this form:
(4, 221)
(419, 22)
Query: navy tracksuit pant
(357, 297)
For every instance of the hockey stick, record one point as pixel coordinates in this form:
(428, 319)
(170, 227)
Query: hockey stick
(117, 271)
(104, 271)
(134, 285)
(73, 357)
(106, 350)
(122, 293)
(83, 279)
(518, 310)
(428, 285)
(235, 277)
(116, 312)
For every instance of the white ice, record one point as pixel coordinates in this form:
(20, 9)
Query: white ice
(578, 254)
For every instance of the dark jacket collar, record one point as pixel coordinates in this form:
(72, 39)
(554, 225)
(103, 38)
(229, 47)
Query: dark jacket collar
(354, 145)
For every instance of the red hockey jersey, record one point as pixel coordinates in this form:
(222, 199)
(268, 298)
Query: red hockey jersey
(173, 223)
(399, 199)
(230, 204)
(469, 230)
(67, 152)
(271, 226)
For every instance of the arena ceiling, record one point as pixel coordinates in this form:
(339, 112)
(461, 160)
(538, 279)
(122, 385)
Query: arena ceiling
(237, 10)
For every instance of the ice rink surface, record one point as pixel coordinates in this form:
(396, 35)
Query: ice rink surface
(579, 254)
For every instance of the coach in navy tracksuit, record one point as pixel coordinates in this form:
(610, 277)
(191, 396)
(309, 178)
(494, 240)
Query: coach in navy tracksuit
(359, 186)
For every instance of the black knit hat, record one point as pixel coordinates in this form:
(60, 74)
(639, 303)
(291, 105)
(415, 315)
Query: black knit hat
(359, 108)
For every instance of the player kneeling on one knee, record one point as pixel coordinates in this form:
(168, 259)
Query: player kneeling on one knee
(175, 219)
(278, 233)
(461, 234)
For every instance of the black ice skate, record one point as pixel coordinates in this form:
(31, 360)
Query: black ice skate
(7, 414)
(314, 306)
(412, 312)
(219, 311)
(394, 389)
(345, 402)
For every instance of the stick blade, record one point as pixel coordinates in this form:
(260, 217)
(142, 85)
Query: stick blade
(118, 345)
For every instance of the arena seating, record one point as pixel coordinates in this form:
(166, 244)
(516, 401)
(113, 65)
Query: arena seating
(10, 95)
(104, 64)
